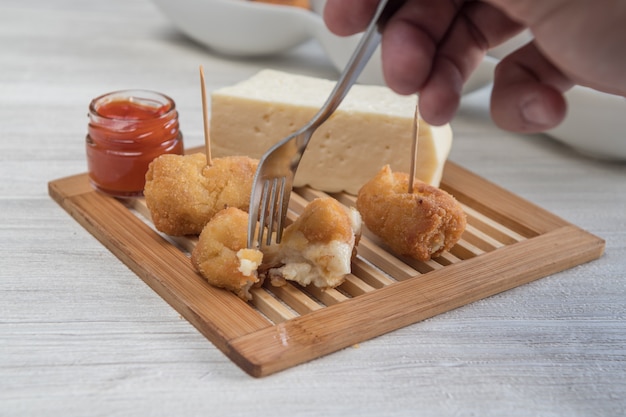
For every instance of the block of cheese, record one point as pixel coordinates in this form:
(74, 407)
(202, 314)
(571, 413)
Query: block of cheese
(372, 127)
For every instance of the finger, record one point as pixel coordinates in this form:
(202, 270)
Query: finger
(432, 48)
(477, 28)
(527, 94)
(585, 40)
(347, 17)
(410, 42)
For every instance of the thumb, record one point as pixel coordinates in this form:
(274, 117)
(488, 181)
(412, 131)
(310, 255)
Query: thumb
(527, 93)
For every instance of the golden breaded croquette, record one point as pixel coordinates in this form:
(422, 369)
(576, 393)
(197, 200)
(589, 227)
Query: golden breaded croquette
(420, 225)
(183, 193)
(221, 255)
(318, 246)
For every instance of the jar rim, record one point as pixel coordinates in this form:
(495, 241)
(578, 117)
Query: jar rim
(140, 95)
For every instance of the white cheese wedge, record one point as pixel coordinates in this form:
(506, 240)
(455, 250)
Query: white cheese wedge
(372, 127)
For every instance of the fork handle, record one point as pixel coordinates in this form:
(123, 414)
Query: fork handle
(361, 55)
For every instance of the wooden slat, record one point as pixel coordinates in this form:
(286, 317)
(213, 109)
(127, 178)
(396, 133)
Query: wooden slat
(272, 308)
(465, 250)
(446, 258)
(370, 275)
(384, 260)
(295, 298)
(355, 286)
(480, 239)
(309, 194)
(347, 199)
(502, 206)
(490, 227)
(424, 267)
(329, 296)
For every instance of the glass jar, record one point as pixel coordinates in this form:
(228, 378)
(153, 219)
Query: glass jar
(127, 130)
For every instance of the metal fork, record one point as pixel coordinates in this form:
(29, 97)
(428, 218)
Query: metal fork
(273, 180)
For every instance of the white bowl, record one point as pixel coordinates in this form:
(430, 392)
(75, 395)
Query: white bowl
(239, 27)
(595, 124)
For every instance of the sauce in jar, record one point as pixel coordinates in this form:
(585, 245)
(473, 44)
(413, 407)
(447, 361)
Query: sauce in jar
(127, 130)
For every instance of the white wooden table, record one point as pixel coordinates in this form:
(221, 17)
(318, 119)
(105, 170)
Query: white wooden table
(82, 335)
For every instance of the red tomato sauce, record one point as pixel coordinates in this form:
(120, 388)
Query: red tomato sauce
(127, 130)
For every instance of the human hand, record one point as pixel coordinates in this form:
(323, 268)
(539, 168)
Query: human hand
(432, 46)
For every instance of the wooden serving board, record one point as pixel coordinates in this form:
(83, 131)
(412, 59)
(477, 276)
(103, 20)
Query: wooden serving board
(508, 242)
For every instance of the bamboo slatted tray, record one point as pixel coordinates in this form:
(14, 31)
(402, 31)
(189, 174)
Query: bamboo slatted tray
(508, 242)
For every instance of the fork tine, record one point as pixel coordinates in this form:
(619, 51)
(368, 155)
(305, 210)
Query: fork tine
(271, 207)
(281, 210)
(262, 211)
(271, 211)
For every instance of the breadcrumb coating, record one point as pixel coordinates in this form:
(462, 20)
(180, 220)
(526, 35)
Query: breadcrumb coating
(183, 193)
(421, 225)
(221, 256)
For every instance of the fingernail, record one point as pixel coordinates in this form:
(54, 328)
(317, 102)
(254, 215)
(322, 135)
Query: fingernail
(534, 111)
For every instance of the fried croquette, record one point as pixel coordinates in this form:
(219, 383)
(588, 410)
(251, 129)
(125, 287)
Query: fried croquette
(183, 193)
(318, 246)
(221, 256)
(421, 225)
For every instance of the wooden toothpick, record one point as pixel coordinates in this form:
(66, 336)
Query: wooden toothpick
(416, 133)
(205, 118)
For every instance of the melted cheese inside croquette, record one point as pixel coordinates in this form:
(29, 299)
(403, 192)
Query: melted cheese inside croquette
(221, 256)
(420, 225)
(183, 193)
(318, 247)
